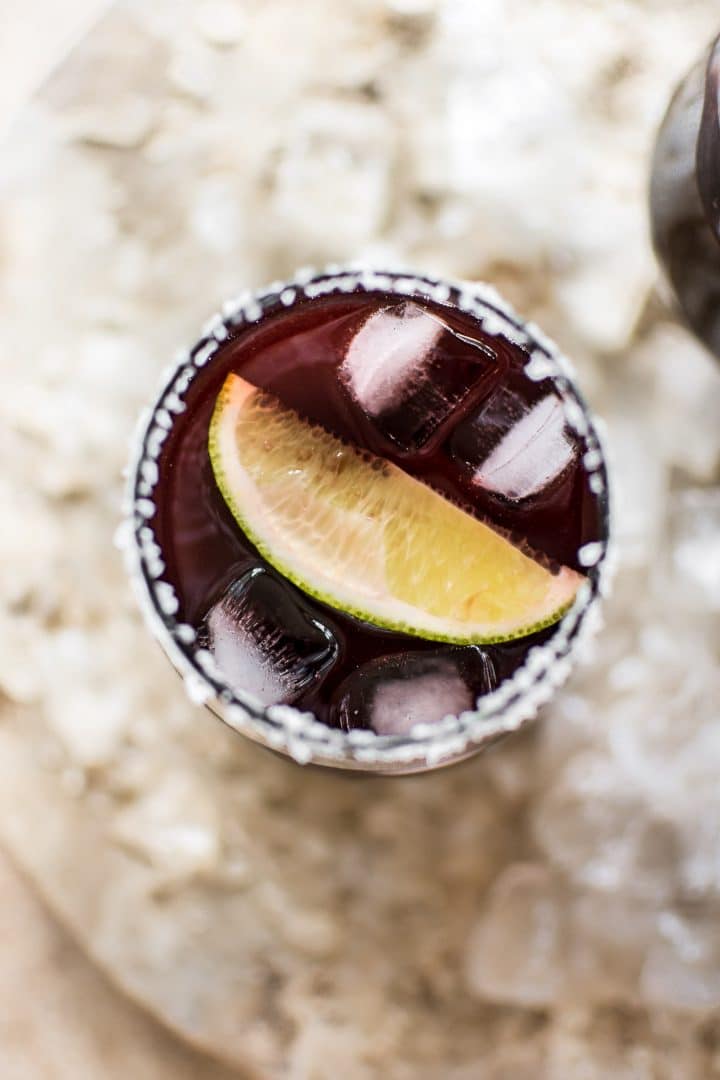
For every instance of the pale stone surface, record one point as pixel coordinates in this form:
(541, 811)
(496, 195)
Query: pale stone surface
(60, 1019)
(515, 953)
(297, 921)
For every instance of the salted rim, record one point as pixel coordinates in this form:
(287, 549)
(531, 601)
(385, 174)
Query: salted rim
(287, 729)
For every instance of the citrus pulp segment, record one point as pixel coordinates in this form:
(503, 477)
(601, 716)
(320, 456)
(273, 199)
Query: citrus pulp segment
(359, 534)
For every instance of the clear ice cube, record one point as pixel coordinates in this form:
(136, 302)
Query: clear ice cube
(514, 448)
(394, 693)
(266, 641)
(409, 371)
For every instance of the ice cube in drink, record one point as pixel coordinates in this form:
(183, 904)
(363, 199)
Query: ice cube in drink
(394, 693)
(266, 640)
(409, 371)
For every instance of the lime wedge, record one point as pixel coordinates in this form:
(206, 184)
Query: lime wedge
(361, 535)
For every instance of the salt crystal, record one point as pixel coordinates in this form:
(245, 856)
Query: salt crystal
(590, 554)
(166, 597)
(300, 750)
(198, 689)
(540, 367)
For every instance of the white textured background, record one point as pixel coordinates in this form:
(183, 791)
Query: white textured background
(550, 910)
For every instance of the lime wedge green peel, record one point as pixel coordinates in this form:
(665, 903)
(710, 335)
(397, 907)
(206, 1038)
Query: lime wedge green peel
(361, 535)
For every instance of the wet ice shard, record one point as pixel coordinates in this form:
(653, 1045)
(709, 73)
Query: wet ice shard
(409, 371)
(391, 695)
(514, 448)
(266, 640)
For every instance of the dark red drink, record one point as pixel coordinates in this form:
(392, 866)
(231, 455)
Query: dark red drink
(478, 412)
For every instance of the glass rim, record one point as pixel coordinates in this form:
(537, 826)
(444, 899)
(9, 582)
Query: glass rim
(284, 728)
